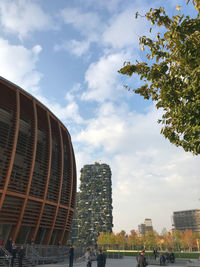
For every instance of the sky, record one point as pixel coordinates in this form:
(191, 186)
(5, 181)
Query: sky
(67, 54)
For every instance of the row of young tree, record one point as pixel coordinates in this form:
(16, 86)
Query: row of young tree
(176, 241)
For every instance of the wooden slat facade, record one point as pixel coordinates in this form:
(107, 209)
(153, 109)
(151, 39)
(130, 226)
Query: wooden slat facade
(37, 170)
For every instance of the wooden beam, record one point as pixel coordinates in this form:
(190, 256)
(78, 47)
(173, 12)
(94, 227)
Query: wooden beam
(74, 179)
(31, 171)
(66, 235)
(71, 189)
(60, 187)
(48, 176)
(12, 157)
(10, 193)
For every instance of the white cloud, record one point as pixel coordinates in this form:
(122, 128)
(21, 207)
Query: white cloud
(103, 4)
(18, 64)
(70, 95)
(100, 131)
(66, 113)
(152, 191)
(78, 48)
(102, 78)
(150, 176)
(86, 22)
(121, 31)
(21, 17)
(124, 30)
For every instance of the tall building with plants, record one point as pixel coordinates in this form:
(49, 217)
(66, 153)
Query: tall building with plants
(94, 205)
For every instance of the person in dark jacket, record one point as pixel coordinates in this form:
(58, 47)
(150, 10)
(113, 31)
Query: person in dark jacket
(13, 252)
(101, 259)
(172, 258)
(9, 245)
(21, 255)
(142, 262)
(71, 256)
(162, 260)
(167, 257)
(155, 253)
(1, 244)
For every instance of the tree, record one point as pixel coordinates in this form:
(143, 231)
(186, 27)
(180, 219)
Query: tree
(168, 240)
(150, 240)
(106, 239)
(121, 238)
(177, 240)
(171, 75)
(133, 240)
(189, 240)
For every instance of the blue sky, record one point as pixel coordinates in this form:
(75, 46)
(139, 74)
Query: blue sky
(67, 54)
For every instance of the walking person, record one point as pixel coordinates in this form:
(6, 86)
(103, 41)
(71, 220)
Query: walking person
(1, 244)
(71, 256)
(142, 262)
(155, 253)
(101, 259)
(21, 255)
(162, 260)
(13, 252)
(172, 258)
(88, 257)
(9, 245)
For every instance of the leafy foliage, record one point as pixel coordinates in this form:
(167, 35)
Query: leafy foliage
(171, 75)
(176, 241)
(94, 204)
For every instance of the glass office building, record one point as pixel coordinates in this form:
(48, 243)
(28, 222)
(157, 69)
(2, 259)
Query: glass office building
(187, 220)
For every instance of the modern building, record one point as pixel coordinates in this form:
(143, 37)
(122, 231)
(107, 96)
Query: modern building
(141, 229)
(187, 220)
(37, 170)
(94, 206)
(144, 227)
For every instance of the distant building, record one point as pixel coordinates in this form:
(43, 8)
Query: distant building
(148, 224)
(141, 229)
(94, 205)
(144, 227)
(187, 220)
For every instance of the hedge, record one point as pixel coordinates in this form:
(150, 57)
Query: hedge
(187, 255)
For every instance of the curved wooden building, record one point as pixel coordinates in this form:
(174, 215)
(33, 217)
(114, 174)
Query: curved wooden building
(37, 170)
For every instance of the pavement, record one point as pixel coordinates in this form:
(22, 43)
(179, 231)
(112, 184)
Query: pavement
(125, 262)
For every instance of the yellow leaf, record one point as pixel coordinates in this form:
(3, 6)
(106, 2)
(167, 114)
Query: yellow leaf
(178, 7)
(142, 48)
(175, 19)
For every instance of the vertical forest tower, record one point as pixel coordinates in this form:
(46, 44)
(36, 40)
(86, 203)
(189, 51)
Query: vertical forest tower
(94, 205)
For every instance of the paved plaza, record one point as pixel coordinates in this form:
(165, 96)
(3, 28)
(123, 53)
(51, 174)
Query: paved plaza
(125, 262)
